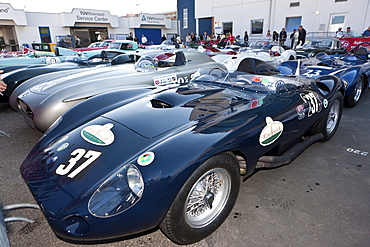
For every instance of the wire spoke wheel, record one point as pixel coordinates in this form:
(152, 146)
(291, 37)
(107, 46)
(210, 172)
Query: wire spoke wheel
(208, 197)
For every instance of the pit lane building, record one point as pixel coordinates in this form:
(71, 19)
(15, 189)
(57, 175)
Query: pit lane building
(18, 26)
(318, 17)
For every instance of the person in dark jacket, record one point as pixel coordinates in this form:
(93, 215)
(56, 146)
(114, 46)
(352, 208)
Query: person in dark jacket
(301, 35)
(246, 37)
(282, 37)
(130, 37)
(292, 38)
(275, 36)
(163, 38)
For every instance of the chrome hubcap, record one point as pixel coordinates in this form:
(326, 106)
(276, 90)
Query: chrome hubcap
(333, 117)
(358, 90)
(207, 198)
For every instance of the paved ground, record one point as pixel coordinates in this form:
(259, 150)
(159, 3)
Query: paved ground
(320, 199)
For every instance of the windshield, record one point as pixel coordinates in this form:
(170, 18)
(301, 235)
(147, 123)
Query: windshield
(146, 64)
(258, 83)
(120, 46)
(318, 44)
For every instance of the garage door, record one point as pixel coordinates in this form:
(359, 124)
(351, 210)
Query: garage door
(152, 34)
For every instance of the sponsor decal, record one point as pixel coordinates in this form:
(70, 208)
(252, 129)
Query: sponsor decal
(51, 160)
(300, 111)
(265, 82)
(63, 146)
(146, 158)
(165, 79)
(98, 134)
(257, 80)
(279, 83)
(271, 132)
(325, 103)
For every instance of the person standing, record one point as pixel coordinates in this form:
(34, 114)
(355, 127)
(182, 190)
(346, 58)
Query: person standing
(339, 34)
(301, 35)
(188, 39)
(163, 38)
(282, 37)
(275, 36)
(230, 39)
(246, 38)
(348, 33)
(268, 35)
(77, 42)
(366, 33)
(293, 38)
(144, 40)
(130, 37)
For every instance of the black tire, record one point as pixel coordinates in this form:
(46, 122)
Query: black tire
(188, 222)
(329, 124)
(353, 99)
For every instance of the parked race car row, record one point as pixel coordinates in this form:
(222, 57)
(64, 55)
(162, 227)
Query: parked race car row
(168, 135)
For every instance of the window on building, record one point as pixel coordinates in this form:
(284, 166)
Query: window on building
(337, 21)
(185, 18)
(227, 27)
(292, 23)
(294, 4)
(45, 34)
(257, 26)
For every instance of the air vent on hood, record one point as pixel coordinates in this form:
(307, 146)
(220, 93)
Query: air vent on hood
(160, 104)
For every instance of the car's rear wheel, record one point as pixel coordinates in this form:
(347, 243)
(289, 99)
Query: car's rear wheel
(353, 99)
(329, 124)
(205, 200)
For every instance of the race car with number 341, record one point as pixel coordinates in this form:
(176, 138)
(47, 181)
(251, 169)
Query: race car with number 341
(128, 161)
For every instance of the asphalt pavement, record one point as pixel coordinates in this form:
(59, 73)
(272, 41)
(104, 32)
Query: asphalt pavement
(320, 199)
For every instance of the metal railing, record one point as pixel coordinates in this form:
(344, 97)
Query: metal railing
(4, 241)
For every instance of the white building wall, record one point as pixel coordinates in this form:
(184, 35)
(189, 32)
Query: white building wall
(315, 14)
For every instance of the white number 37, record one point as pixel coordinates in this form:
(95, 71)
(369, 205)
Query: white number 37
(78, 154)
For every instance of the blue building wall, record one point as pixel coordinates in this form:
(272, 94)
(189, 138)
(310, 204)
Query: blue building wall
(190, 5)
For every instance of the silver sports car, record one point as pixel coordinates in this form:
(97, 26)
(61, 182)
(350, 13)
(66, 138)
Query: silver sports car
(42, 104)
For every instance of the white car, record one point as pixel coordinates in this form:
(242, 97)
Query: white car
(277, 56)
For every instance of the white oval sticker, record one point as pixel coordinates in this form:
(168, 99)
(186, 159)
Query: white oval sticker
(271, 132)
(98, 134)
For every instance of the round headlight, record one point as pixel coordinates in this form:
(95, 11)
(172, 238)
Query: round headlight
(119, 192)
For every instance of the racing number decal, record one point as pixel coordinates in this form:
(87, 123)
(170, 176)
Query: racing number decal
(312, 73)
(78, 154)
(313, 102)
(182, 80)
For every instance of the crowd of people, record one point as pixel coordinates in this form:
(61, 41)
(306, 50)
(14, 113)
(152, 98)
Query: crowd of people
(349, 33)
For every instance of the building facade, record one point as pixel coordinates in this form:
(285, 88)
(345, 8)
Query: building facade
(19, 27)
(318, 17)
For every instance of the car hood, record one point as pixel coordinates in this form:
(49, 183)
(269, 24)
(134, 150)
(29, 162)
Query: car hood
(204, 106)
(50, 86)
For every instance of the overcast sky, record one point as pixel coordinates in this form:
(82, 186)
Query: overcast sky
(116, 7)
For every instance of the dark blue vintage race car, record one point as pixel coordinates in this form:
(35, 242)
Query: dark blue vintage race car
(353, 69)
(131, 160)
